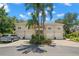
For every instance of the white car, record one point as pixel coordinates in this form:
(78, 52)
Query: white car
(5, 38)
(14, 37)
(9, 38)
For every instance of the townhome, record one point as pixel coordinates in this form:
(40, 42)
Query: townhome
(52, 31)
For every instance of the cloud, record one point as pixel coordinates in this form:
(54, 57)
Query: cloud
(29, 13)
(48, 8)
(67, 4)
(47, 19)
(60, 15)
(40, 14)
(22, 16)
(53, 12)
(46, 12)
(1, 5)
(5, 7)
(54, 6)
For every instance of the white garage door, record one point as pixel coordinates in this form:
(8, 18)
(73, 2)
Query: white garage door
(50, 36)
(59, 35)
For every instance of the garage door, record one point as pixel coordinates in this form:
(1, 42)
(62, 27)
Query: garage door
(59, 35)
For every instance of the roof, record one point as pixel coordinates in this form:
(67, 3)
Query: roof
(54, 24)
(20, 23)
(23, 23)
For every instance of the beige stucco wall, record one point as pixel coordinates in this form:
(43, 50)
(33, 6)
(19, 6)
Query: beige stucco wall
(55, 31)
(24, 31)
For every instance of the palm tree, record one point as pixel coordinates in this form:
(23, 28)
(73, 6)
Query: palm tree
(31, 23)
(40, 7)
(49, 7)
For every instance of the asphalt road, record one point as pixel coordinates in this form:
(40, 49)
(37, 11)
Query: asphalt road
(51, 51)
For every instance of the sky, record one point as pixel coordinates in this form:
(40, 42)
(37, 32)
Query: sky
(59, 10)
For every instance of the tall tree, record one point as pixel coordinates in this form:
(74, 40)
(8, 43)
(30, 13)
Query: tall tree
(40, 8)
(6, 23)
(31, 23)
(68, 20)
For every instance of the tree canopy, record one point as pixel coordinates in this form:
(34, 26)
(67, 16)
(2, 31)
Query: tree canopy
(6, 22)
(69, 20)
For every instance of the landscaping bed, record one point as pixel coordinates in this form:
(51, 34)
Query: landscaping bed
(73, 36)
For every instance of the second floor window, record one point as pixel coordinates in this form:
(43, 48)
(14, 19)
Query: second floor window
(49, 28)
(59, 28)
(19, 27)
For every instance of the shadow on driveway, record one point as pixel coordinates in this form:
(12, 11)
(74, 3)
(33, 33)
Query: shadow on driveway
(32, 48)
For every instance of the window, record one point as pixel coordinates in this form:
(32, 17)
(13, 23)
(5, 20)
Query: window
(19, 27)
(49, 28)
(59, 28)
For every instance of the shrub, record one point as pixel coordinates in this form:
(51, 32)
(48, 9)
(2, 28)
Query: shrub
(40, 39)
(37, 39)
(76, 39)
(73, 36)
(47, 42)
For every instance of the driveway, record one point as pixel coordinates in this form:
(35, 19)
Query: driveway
(22, 48)
(51, 51)
(66, 43)
(58, 42)
(17, 43)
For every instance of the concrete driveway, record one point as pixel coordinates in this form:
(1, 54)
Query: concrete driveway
(51, 51)
(19, 48)
(66, 43)
(58, 42)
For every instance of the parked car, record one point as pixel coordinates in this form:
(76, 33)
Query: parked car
(9, 38)
(5, 38)
(15, 37)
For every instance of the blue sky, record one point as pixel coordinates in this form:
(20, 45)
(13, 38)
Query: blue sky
(18, 10)
(61, 9)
